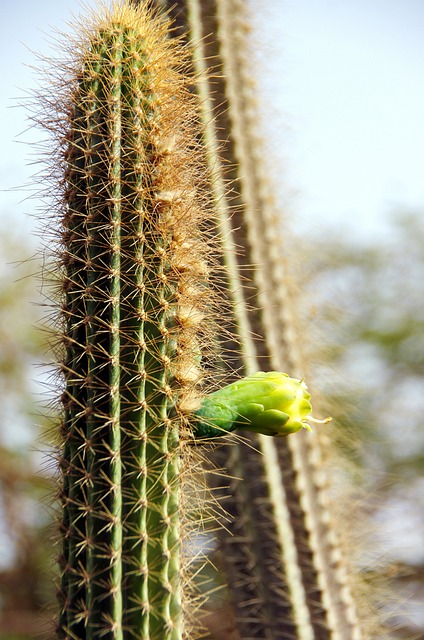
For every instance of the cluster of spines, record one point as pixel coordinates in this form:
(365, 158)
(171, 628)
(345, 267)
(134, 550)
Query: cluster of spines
(135, 300)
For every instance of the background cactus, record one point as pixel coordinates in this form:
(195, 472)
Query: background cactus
(135, 304)
(286, 572)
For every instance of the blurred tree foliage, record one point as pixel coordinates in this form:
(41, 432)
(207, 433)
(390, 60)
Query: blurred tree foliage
(367, 300)
(370, 298)
(369, 305)
(25, 482)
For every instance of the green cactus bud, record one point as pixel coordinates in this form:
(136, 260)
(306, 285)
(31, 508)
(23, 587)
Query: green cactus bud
(270, 403)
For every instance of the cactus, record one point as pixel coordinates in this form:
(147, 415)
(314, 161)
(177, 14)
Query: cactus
(135, 303)
(137, 312)
(287, 575)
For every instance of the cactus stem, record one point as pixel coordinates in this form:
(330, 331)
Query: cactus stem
(135, 257)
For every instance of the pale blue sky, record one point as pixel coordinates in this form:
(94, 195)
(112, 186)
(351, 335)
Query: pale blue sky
(343, 108)
(348, 77)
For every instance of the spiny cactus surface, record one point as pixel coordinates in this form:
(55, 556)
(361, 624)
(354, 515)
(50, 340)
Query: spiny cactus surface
(134, 306)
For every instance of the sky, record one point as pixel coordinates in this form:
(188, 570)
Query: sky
(342, 101)
(345, 80)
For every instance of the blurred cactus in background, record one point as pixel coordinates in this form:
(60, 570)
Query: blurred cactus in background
(284, 566)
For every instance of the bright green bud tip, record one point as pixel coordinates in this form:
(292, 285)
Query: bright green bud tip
(270, 403)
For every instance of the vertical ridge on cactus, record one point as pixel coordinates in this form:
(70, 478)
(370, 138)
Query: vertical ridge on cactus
(134, 260)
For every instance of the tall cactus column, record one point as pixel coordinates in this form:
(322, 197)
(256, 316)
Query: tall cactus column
(134, 264)
(288, 571)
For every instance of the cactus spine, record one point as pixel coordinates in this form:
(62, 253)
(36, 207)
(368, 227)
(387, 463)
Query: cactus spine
(134, 288)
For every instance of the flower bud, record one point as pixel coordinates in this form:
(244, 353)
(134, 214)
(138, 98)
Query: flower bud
(270, 403)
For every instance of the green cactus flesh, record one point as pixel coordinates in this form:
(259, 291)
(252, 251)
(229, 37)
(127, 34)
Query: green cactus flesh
(134, 296)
